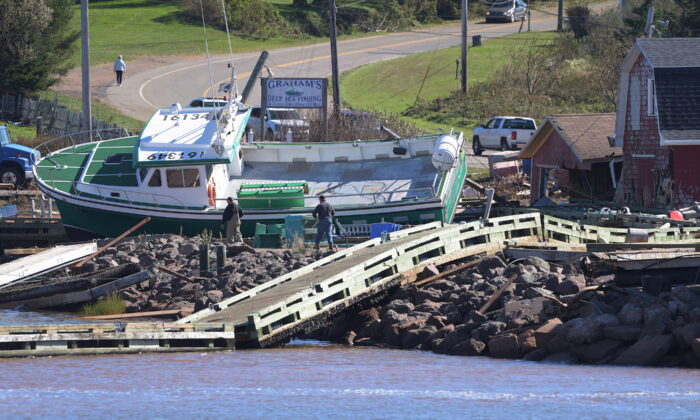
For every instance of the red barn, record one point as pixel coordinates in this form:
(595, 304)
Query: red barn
(574, 151)
(658, 123)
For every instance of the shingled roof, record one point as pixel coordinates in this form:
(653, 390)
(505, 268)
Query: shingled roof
(671, 52)
(586, 134)
(678, 103)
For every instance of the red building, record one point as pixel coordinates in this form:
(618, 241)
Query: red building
(658, 123)
(574, 153)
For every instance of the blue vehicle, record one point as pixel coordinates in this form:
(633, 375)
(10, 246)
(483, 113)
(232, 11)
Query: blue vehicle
(16, 161)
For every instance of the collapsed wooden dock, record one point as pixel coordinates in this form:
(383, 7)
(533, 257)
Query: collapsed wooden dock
(76, 339)
(309, 297)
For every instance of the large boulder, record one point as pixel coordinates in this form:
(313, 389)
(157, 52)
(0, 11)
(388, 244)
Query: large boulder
(418, 336)
(598, 351)
(648, 351)
(401, 306)
(487, 330)
(504, 346)
(553, 280)
(489, 263)
(523, 312)
(623, 332)
(546, 331)
(541, 265)
(630, 314)
(571, 284)
(589, 329)
(459, 343)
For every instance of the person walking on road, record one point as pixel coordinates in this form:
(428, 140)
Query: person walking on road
(232, 219)
(324, 213)
(119, 68)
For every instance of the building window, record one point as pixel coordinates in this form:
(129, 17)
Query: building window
(651, 97)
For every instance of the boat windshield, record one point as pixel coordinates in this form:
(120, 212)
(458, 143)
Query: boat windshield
(284, 114)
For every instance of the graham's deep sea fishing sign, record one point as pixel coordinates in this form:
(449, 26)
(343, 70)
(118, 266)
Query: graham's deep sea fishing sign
(294, 93)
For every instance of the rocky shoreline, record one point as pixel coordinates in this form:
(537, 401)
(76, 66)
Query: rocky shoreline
(547, 314)
(245, 268)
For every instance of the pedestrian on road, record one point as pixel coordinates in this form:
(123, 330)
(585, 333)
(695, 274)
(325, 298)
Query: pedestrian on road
(324, 213)
(232, 219)
(119, 68)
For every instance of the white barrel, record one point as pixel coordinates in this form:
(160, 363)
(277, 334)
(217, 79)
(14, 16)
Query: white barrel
(446, 152)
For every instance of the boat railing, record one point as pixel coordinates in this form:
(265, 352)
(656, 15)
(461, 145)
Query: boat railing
(374, 195)
(106, 197)
(83, 137)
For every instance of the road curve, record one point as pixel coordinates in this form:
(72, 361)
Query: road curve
(146, 90)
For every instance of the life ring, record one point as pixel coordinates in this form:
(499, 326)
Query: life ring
(211, 189)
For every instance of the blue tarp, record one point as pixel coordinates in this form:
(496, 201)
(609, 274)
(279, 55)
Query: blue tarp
(376, 229)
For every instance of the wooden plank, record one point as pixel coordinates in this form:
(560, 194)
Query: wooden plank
(446, 273)
(551, 255)
(498, 294)
(114, 241)
(85, 295)
(176, 274)
(132, 315)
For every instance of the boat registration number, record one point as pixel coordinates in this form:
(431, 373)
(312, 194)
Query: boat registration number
(184, 117)
(175, 156)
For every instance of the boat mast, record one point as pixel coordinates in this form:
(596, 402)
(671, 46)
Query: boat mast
(233, 86)
(211, 77)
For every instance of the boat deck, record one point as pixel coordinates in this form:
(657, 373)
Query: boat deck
(349, 183)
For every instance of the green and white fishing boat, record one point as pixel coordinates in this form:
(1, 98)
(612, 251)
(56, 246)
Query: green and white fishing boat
(186, 162)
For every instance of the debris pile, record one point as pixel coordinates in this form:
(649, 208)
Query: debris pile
(245, 268)
(549, 312)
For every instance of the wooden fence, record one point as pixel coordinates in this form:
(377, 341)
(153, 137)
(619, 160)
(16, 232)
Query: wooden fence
(49, 118)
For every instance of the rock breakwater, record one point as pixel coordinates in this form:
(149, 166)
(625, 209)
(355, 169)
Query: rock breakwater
(550, 312)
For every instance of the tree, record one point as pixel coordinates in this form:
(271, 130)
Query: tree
(35, 44)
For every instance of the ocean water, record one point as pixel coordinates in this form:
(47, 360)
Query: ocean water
(311, 379)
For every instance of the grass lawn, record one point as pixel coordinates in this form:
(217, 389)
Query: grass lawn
(388, 86)
(157, 27)
(100, 111)
(18, 133)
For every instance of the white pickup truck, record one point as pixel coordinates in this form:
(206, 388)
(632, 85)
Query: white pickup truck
(503, 133)
(277, 122)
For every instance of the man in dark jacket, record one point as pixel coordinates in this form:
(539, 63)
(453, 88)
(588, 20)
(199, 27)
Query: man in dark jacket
(324, 213)
(232, 219)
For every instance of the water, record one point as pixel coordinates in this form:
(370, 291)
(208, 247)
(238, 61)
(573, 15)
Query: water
(310, 379)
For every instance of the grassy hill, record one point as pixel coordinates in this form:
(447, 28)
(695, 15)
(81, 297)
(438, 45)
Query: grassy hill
(387, 86)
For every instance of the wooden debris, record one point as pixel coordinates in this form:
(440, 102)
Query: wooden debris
(498, 294)
(170, 312)
(176, 274)
(446, 273)
(113, 241)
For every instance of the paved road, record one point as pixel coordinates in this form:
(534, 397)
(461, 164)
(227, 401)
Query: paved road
(143, 92)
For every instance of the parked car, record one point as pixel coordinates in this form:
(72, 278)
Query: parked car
(16, 161)
(503, 133)
(506, 11)
(208, 103)
(277, 122)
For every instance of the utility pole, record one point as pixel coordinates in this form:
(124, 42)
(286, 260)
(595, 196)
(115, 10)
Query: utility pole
(650, 21)
(85, 45)
(560, 16)
(334, 61)
(464, 46)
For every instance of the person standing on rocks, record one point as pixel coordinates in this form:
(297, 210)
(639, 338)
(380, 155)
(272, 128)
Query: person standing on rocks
(232, 219)
(119, 68)
(324, 213)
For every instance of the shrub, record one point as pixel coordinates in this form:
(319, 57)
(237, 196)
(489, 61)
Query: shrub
(578, 16)
(254, 17)
(213, 15)
(111, 304)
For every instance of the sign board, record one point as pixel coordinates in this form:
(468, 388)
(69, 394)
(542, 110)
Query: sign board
(294, 93)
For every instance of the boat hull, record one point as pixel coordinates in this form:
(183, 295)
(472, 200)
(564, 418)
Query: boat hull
(83, 221)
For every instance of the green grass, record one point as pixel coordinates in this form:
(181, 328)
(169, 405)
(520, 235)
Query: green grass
(19, 133)
(100, 111)
(134, 28)
(393, 85)
(111, 304)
